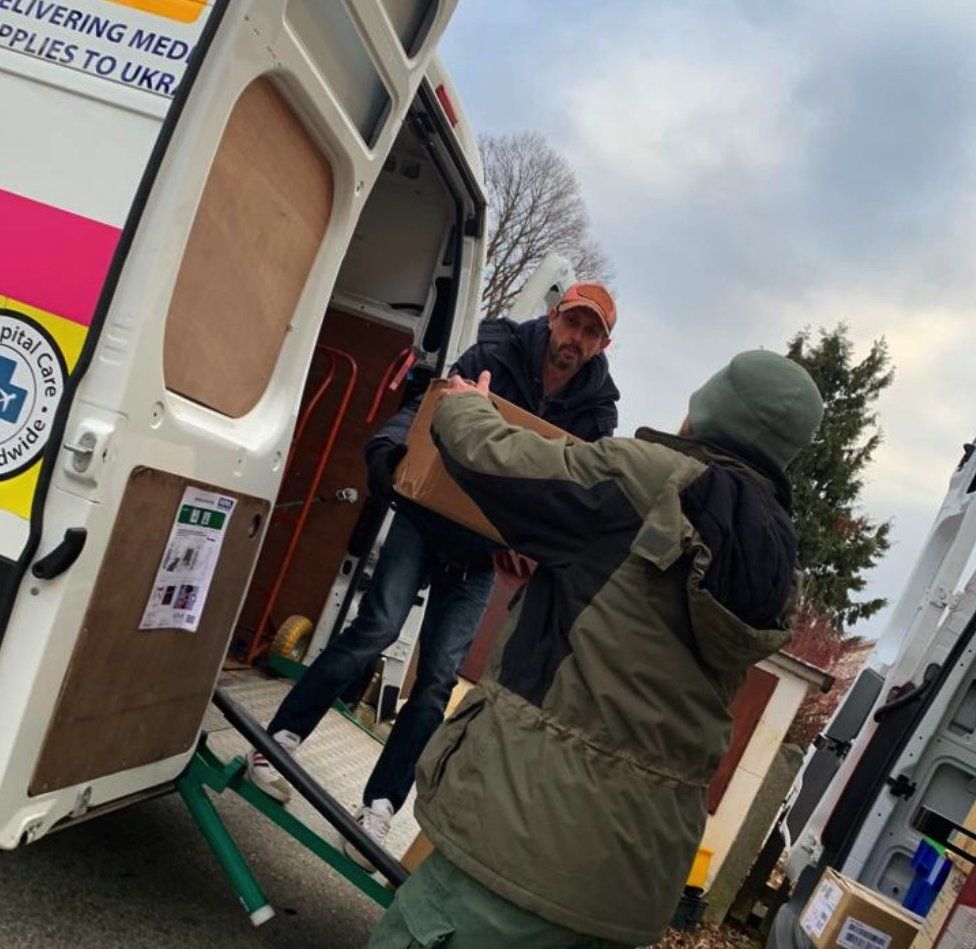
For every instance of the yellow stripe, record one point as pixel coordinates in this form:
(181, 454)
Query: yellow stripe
(186, 11)
(17, 493)
(69, 336)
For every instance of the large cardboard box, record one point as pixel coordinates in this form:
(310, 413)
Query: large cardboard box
(843, 913)
(422, 477)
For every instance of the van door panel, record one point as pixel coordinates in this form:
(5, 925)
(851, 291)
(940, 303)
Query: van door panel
(134, 696)
(254, 239)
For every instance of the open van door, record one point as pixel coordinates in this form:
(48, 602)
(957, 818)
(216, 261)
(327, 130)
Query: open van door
(162, 425)
(543, 289)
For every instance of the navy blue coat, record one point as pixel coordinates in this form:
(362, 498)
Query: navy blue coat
(513, 352)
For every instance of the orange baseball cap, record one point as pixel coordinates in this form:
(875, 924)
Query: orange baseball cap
(594, 297)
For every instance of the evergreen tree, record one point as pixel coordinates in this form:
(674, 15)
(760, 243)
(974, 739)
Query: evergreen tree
(837, 541)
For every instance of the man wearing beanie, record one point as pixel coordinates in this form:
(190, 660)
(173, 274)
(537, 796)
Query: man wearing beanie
(566, 795)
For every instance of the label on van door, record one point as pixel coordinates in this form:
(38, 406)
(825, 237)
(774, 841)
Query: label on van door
(188, 564)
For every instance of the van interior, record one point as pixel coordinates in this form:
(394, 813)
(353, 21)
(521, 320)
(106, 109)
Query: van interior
(384, 335)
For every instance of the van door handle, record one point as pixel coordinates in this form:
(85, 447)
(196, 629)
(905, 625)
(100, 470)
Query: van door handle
(63, 556)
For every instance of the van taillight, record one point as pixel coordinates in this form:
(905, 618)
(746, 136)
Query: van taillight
(444, 97)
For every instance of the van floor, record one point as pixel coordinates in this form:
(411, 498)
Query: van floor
(338, 754)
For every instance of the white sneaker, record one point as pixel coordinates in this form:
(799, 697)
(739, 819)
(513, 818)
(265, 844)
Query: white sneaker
(261, 772)
(374, 818)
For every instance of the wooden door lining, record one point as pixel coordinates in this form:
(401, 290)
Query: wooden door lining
(135, 696)
(261, 221)
(324, 542)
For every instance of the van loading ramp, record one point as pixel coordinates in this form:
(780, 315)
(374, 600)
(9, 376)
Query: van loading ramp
(327, 778)
(339, 754)
(144, 876)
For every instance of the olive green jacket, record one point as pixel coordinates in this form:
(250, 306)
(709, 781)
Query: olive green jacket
(572, 781)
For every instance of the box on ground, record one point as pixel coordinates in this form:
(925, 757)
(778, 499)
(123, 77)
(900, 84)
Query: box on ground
(422, 478)
(843, 913)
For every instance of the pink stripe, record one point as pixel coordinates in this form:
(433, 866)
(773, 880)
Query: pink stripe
(53, 259)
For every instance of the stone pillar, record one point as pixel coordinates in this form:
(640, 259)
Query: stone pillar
(753, 832)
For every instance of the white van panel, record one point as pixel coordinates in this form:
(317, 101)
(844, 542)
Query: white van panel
(55, 136)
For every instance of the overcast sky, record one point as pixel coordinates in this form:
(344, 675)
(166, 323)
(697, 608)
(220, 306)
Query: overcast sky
(755, 167)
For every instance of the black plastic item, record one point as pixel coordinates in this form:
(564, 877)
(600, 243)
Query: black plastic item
(309, 789)
(367, 526)
(55, 562)
(831, 751)
(910, 693)
(415, 385)
(942, 830)
(867, 780)
(691, 909)
(439, 321)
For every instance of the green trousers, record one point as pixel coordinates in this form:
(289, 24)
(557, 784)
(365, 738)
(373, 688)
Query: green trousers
(439, 906)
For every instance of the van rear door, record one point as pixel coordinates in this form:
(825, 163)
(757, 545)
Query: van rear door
(169, 439)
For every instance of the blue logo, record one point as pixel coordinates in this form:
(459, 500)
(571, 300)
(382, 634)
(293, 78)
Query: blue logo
(11, 397)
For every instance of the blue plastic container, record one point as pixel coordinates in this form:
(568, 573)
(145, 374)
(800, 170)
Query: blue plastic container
(931, 866)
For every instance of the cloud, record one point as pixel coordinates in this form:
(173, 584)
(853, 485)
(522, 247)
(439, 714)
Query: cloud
(753, 168)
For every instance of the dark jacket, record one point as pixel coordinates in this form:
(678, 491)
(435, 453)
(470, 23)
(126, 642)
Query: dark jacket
(513, 352)
(573, 779)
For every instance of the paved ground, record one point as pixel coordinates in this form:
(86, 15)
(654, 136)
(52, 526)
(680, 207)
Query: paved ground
(144, 877)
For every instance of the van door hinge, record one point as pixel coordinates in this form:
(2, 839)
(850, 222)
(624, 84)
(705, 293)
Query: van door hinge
(82, 803)
(901, 786)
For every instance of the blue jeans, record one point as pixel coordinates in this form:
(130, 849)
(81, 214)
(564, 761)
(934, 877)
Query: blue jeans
(455, 605)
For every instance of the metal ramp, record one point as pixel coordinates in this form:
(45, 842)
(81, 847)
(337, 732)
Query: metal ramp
(338, 754)
(338, 757)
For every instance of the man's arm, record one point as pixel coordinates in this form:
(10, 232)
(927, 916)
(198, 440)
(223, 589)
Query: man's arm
(385, 449)
(470, 363)
(547, 497)
(605, 420)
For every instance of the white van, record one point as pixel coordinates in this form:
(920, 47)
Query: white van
(209, 211)
(904, 737)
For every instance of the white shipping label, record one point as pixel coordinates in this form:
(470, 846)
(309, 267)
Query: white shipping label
(960, 933)
(821, 908)
(855, 934)
(189, 561)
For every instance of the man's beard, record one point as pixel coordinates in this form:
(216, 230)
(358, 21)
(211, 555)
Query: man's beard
(565, 357)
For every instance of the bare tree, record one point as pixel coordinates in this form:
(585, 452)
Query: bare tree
(535, 206)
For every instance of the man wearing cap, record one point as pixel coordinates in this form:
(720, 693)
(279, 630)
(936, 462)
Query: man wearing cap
(566, 796)
(552, 366)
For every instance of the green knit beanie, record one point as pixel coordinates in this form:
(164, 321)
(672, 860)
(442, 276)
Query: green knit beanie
(761, 403)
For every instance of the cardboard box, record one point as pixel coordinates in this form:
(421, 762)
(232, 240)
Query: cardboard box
(422, 477)
(960, 930)
(938, 916)
(843, 913)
